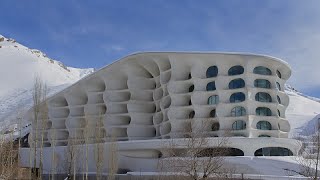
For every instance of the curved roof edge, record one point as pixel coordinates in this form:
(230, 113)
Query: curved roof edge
(171, 52)
(209, 52)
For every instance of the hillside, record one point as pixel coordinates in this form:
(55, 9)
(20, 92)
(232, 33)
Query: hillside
(19, 65)
(301, 112)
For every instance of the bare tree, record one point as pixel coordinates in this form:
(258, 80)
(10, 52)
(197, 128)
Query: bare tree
(86, 133)
(309, 154)
(43, 125)
(9, 158)
(99, 147)
(112, 157)
(72, 153)
(191, 158)
(53, 155)
(40, 117)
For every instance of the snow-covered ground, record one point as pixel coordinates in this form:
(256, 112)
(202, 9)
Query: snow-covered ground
(19, 66)
(255, 168)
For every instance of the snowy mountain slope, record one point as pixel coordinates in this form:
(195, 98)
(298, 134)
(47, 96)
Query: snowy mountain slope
(301, 112)
(19, 66)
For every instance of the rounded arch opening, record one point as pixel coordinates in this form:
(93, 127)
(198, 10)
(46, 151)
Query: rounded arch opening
(214, 99)
(279, 74)
(191, 88)
(263, 111)
(219, 151)
(263, 97)
(264, 125)
(279, 99)
(262, 83)
(215, 126)
(237, 97)
(236, 70)
(239, 125)
(191, 115)
(211, 86)
(212, 71)
(262, 70)
(236, 83)
(273, 151)
(238, 111)
(213, 113)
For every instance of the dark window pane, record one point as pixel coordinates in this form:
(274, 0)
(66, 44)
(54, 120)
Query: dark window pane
(262, 70)
(262, 135)
(273, 151)
(279, 100)
(262, 83)
(237, 97)
(212, 71)
(235, 70)
(279, 74)
(191, 115)
(263, 111)
(211, 86)
(191, 88)
(213, 113)
(263, 97)
(215, 126)
(238, 111)
(264, 125)
(239, 125)
(236, 83)
(213, 100)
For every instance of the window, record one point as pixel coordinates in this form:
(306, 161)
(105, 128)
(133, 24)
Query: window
(279, 114)
(279, 100)
(189, 76)
(238, 111)
(190, 103)
(213, 113)
(213, 100)
(263, 97)
(237, 97)
(239, 125)
(191, 115)
(263, 135)
(191, 88)
(278, 86)
(235, 70)
(264, 125)
(262, 83)
(214, 152)
(263, 111)
(273, 151)
(262, 70)
(236, 83)
(215, 126)
(212, 71)
(211, 86)
(279, 74)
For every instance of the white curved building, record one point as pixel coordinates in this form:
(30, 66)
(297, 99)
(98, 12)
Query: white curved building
(147, 98)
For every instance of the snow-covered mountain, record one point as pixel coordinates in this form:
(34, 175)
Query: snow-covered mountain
(302, 112)
(19, 66)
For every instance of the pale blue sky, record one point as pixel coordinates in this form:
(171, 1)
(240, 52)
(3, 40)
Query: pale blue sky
(97, 32)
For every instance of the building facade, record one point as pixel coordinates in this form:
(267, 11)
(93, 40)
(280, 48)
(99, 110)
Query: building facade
(145, 99)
